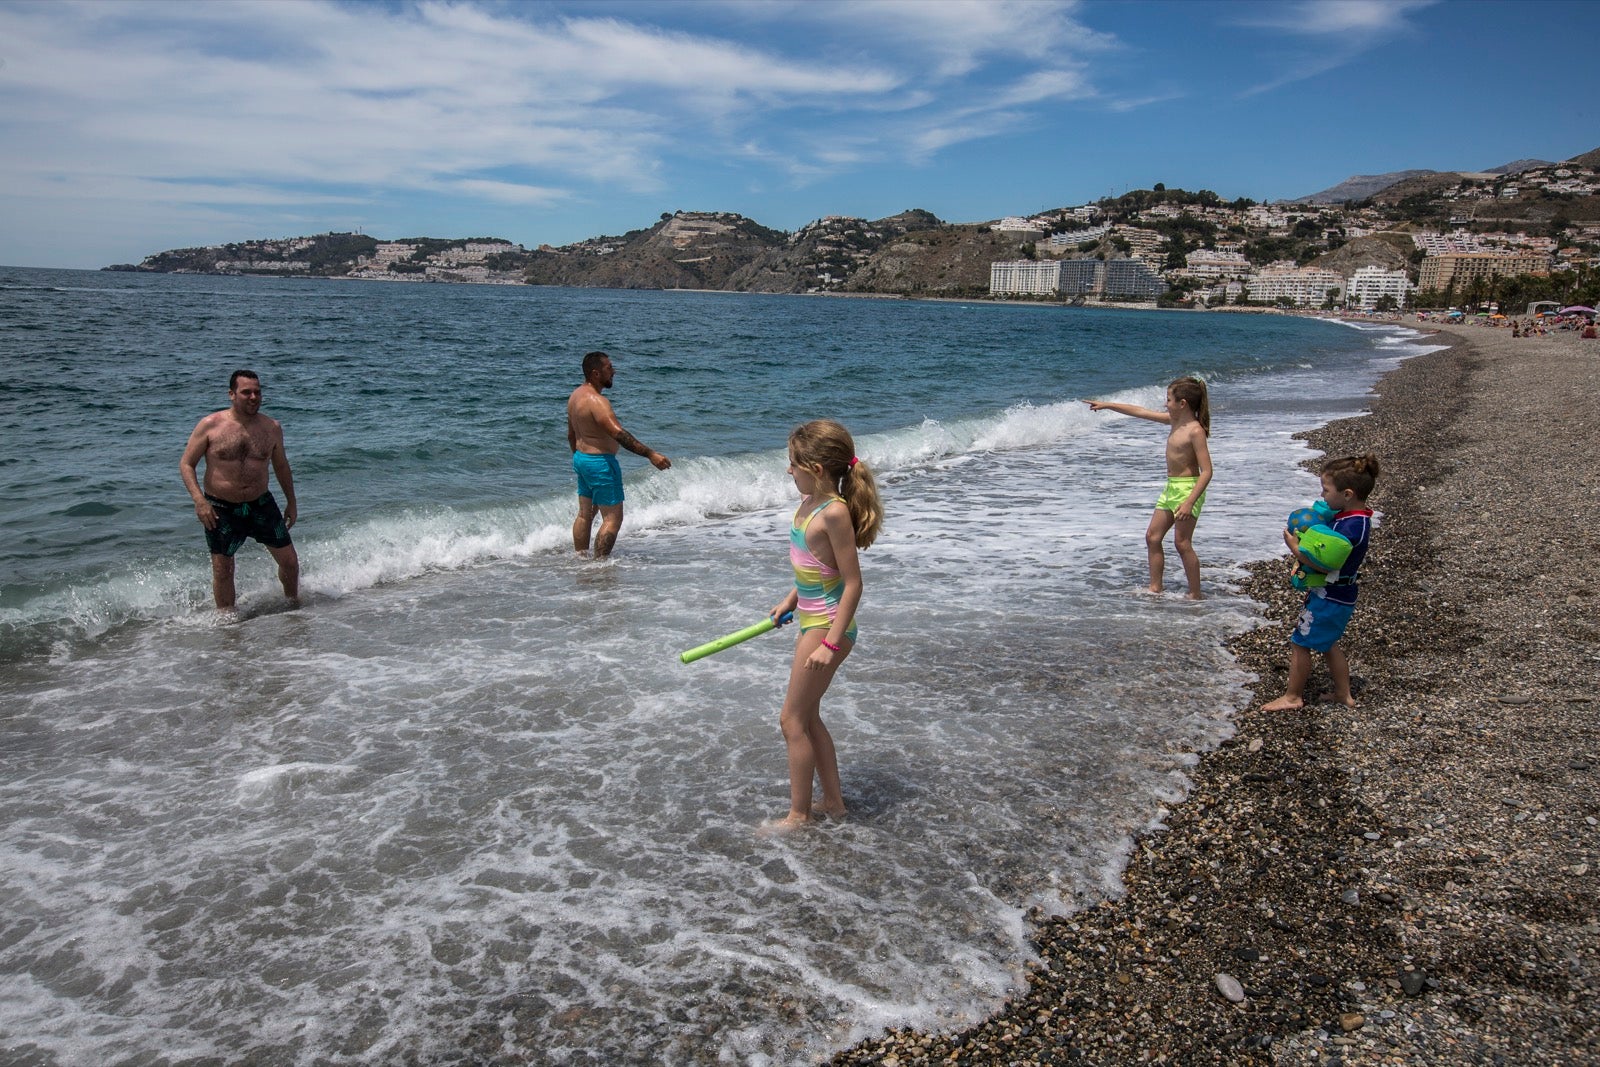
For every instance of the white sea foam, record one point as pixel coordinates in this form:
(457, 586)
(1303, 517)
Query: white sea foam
(421, 541)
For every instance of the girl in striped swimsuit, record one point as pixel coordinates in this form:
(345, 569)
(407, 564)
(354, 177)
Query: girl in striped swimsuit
(839, 512)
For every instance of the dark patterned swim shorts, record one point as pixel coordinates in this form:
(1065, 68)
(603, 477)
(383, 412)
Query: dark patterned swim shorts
(237, 523)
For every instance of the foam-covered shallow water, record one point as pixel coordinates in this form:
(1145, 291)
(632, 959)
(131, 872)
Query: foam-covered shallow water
(465, 804)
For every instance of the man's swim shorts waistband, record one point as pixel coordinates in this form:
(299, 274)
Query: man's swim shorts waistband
(235, 505)
(239, 521)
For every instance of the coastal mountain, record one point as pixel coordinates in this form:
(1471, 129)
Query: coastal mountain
(912, 253)
(684, 250)
(716, 250)
(1590, 159)
(323, 254)
(1365, 221)
(1518, 166)
(1364, 186)
(1360, 187)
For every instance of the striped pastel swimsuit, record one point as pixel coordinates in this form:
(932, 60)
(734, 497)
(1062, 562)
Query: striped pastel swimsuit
(818, 585)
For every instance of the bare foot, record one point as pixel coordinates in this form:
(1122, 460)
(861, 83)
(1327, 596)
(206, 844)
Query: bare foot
(1154, 590)
(1193, 596)
(829, 813)
(786, 825)
(1284, 703)
(1347, 701)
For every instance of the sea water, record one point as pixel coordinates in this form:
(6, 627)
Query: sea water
(464, 804)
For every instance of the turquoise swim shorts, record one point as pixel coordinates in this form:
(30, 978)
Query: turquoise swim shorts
(599, 477)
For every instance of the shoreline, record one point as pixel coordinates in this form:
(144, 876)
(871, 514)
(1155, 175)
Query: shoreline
(1412, 881)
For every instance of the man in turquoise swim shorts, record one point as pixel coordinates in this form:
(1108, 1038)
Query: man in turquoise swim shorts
(595, 436)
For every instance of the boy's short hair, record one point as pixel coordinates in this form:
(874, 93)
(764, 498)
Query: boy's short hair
(1356, 473)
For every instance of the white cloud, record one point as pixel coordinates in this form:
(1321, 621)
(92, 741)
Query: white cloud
(261, 105)
(933, 139)
(312, 92)
(1045, 85)
(510, 192)
(1341, 30)
(958, 36)
(1337, 17)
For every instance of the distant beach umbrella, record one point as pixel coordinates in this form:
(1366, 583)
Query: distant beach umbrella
(1579, 309)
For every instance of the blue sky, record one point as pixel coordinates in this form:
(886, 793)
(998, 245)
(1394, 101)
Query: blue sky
(128, 128)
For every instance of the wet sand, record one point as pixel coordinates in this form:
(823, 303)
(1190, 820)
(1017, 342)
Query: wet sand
(1415, 880)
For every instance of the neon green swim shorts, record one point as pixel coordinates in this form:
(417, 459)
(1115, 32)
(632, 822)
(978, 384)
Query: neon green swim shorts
(1176, 492)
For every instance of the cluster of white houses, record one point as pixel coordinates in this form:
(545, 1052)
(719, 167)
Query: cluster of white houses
(463, 262)
(1227, 276)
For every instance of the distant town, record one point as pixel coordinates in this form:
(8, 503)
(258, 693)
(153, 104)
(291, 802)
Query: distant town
(1427, 239)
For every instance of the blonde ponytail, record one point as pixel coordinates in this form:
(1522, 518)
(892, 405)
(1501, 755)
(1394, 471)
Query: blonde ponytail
(826, 444)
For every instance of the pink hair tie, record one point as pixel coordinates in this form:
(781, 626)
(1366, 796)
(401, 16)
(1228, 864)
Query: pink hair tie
(854, 460)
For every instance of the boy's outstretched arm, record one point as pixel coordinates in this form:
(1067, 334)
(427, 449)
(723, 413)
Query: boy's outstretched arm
(1130, 409)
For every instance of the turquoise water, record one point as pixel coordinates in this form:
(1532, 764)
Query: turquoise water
(465, 803)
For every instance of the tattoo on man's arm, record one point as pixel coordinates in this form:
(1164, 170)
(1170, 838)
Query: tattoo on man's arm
(631, 443)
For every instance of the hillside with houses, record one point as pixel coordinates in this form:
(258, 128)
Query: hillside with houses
(1428, 238)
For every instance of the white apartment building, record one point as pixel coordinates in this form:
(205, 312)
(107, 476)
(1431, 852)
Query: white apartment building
(1021, 227)
(1130, 277)
(1142, 240)
(474, 252)
(1439, 244)
(1370, 284)
(1061, 242)
(388, 252)
(1025, 277)
(1212, 263)
(1301, 286)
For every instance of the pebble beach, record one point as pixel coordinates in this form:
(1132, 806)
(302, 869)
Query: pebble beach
(1412, 881)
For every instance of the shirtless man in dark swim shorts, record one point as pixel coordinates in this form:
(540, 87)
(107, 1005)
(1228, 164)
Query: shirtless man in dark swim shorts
(237, 443)
(595, 436)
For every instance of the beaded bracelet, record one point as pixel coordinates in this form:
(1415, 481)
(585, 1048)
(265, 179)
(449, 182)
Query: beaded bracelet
(829, 645)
